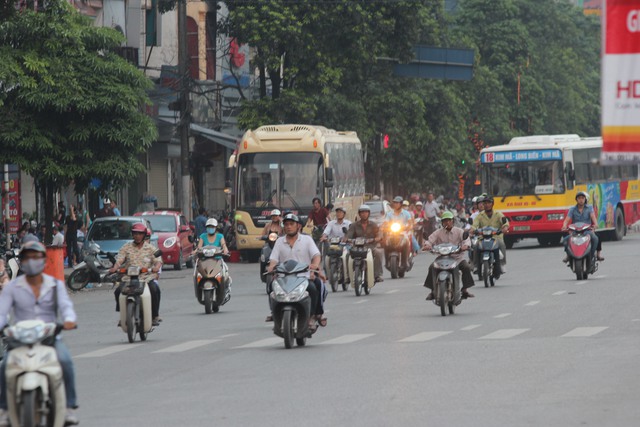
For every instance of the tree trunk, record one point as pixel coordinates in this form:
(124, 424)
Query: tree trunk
(263, 81)
(275, 83)
(49, 191)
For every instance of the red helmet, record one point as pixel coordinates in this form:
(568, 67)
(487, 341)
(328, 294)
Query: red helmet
(139, 228)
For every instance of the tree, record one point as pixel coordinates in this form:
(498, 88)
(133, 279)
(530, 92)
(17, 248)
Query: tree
(70, 108)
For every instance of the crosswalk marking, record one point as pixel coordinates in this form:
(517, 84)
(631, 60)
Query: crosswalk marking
(347, 339)
(470, 327)
(585, 332)
(267, 342)
(532, 303)
(109, 350)
(189, 345)
(501, 316)
(392, 291)
(425, 336)
(361, 301)
(502, 334)
(227, 336)
(559, 293)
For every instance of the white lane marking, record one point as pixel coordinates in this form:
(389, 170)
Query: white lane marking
(585, 332)
(188, 345)
(425, 336)
(635, 320)
(392, 291)
(532, 303)
(502, 334)
(470, 327)
(109, 350)
(501, 316)
(267, 342)
(227, 336)
(347, 339)
(361, 301)
(559, 293)
(581, 282)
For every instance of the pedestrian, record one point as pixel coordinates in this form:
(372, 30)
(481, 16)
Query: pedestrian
(200, 222)
(431, 210)
(58, 237)
(105, 210)
(62, 213)
(71, 237)
(114, 209)
(84, 219)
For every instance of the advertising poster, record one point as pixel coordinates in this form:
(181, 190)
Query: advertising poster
(604, 199)
(621, 82)
(15, 210)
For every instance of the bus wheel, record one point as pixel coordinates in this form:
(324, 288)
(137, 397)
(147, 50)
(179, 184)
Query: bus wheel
(618, 233)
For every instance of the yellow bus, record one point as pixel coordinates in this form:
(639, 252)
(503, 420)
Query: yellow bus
(534, 181)
(284, 167)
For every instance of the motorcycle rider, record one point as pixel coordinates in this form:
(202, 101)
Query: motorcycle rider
(318, 216)
(404, 218)
(480, 205)
(39, 296)
(489, 218)
(431, 210)
(141, 254)
(301, 248)
(212, 237)
(368, 230)
(584, 213)
(450, 234)
(275, 226)
(419, 212)
(335, 226)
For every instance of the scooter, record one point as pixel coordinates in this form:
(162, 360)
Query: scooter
(211, 279)
(395, 240)
(35, 386)
(361, 266)
(270, 241)
(486, 244)
(291, 304)
(447, 289)
(581, 262)
(135, 304)
(12, 266)
(94, 268)
(418, 230)
(336, 262)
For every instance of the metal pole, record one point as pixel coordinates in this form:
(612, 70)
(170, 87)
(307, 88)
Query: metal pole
(6, 206)
(185, 116)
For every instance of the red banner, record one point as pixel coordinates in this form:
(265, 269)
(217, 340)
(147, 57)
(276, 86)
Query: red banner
(621, 82)
(15, 209)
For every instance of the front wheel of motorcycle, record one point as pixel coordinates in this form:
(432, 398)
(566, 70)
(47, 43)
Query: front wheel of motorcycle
(579, 266)
(131, 319)
(485, 273)
(287, 329)
(141, 326)
(29, 408)
(393, 267)
(335, 275)
(357, 280)
(442, 298)
(208, 302)
(78, 279)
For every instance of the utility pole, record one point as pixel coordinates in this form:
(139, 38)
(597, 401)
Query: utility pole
(6, 206)
(185, 110)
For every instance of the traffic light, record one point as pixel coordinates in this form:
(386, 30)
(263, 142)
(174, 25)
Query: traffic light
(385, 141)
(462, 162)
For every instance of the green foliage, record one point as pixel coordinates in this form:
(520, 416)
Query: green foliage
(70, 109)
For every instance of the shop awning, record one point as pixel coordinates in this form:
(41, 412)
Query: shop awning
(221, 138)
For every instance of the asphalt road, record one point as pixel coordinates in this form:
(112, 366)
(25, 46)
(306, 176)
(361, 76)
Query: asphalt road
(539, 349)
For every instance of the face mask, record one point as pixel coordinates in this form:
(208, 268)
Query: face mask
(211, 230)
(33, 267)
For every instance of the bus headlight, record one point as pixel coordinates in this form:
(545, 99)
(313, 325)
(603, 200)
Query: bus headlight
(555, 217)
(241, 228)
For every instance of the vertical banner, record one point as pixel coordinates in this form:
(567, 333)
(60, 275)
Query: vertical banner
(15, 209)
(621, 82)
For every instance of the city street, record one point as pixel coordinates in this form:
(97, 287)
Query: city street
(539, 349)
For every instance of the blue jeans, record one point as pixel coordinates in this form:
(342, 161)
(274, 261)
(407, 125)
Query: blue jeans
(68, 375)
(414, 242)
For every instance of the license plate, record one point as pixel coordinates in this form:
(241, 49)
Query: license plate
(521, 228)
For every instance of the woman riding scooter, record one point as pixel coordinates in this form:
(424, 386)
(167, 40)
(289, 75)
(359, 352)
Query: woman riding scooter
(584, 213)
(213, 237)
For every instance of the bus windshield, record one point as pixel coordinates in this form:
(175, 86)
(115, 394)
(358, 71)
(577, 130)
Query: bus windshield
(283, 180)
(524, 178)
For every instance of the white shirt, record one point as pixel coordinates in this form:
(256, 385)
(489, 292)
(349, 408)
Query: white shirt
(333, 229)
(58, 239)
(303, 250)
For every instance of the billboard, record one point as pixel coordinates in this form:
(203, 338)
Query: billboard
(15, 209)
(621, 82)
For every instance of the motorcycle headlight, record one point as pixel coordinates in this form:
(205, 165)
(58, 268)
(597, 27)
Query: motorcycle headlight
(579, 240)
(273, 237)
(445, 250)
(487, 233)
(395, 227)
(208, 253)
(335, 241)
(295, 295)
(28, 334)
(170, 242)
(360, 241)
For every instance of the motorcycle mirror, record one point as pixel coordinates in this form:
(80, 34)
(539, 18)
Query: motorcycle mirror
(504, 220)
(465, 235)
(157, 253)
(344, 230)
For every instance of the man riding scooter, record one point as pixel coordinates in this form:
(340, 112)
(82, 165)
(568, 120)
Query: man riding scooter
(584, 213)
(403, 217)
(489, 218)
(368, 230)
(455, 235)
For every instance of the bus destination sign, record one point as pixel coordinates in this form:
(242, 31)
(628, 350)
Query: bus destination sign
(521, 156)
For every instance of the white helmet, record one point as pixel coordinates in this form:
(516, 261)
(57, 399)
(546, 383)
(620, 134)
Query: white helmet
(584, 194)
(211, 222)
(364, 208)
(474, 200)
(418, 203)
(276, 212)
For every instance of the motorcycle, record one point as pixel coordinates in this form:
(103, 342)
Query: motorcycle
(135, 304)
(35, 386)
(211, 279)
(94, 268)
(291, 304)
(447, 289)
(396, 239)
(418, 230)
(361, 266)
(270, 241)
(486, 244)
(337, 260)
(581, 262)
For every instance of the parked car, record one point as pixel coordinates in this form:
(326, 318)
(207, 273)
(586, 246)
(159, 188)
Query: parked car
(112, 232)
(175, 236)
